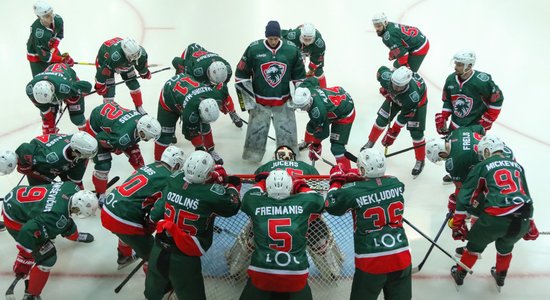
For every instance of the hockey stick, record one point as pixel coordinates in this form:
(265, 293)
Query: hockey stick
(388, 129)
(419, 267)
(405, 150)
(10, 291)
(123, 81)
(323, 159)
(350, 156)
(123, 283)
(61, 115)
(462, 265)
(544, 233)
(93, 64)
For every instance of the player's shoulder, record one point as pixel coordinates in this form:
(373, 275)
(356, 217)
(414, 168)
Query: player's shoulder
(482, 76)
(289, 46)
(58, 20)
(257, 44)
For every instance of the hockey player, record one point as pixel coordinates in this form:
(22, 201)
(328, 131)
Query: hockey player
(58, 84)
(185, 214)
(280, 210)
(126, 209)
(196, 105)
(382, 254)
(43, 42)
(211, 69)
(408, 46)
(407, 98)
(122, 56)
(34, 216)
(118, 130)
(331, 114)
(262, 81)
(469, 96)
(308, 39)
(56, 155)
(507, 210)
(284, 158)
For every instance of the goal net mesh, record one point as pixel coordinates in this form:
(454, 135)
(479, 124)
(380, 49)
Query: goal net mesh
(330, 252)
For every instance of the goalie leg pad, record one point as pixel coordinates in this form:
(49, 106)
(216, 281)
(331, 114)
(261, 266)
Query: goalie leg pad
(284, 122)
(256, 133)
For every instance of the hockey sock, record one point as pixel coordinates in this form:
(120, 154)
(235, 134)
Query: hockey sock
(73, 237)
(420, 152)
(468, 258)
(208, 140)
(228, 104)
(89, 129)
(99, 180)
(375, 133)
(37, 279)
(159, 149)
(48, 122)
(136, 97)
(322, 81)
(124, 248)
(503, 262)
(344, 161)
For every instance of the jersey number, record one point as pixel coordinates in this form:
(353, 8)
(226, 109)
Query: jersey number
(129, 188)
(184, 90)
(505, 181)
(409, 30)
(112, 112)
(179, 220)
(111, 42)
(31, 194)
(283, 239)
(378, 214)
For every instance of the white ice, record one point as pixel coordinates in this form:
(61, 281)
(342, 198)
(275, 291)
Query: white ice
(509, 37)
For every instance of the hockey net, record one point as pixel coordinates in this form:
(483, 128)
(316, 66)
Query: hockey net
(330, 252)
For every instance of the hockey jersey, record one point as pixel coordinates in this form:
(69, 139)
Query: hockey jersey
(315, 51)
(111, 59)
(195, 61)
(41, 39)
(403, 40)
(114, 127)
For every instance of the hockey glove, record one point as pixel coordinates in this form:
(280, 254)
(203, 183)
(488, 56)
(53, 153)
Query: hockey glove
(67, 59)
(458, 225)
(218, 175)
(23, 264)
(54, 44)
(299, 185)
(315, 151)
(486, 122)
(533, 232)
(146, 75)
(353, 176)
(451, 204)
(337, 176)
(441, 122)
(261, 176)
(391, 135)
(134, 157)
(385, 93)
(100, 88)
(234, 181)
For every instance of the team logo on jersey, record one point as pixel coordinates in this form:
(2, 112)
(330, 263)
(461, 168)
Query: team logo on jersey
(52, 157)
(462, 105)
(29, 89)
(449, 165)
(198, 72)
(483, 77)
(64, 88)
(315, 113)
(320, 43)
(124, 140)
(386, 35)
(273, 72)
(386, 76)
(414, 96)
(194, 117)
(217, 189)
(39, 33)
(62, 222)
(291, 35)
(116, 56)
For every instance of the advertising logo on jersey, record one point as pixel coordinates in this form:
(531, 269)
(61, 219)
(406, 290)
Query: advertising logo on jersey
(273, 72)
(462, 105)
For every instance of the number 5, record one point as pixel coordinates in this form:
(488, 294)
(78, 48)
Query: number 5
(277, 236)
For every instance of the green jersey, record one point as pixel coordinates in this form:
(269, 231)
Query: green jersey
(65, 82)
(193, 208)
(182, 95)
(41, 39)
(469, 100)
(402, 40)
(377, 205)
(408, 100)
(501, 180)
(195, 61)
(280, 228)
(47, 204)
(271, 70)
(315, 51)
(127, 205)
(48, 155)
(111, 59)
(463, 155)
(115, 127)
(292, 167)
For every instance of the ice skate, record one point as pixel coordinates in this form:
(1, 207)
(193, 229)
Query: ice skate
(124, 261)
(447, 179)
(499, 277)
(217, 158)
(418, 167)
(236, 119)
(458, 277)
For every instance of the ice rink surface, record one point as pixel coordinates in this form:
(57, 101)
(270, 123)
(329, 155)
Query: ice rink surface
(509, 38)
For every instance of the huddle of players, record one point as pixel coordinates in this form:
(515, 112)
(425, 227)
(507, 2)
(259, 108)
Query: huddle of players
(183, 96)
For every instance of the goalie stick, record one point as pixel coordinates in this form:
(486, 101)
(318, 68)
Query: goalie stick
(419, 267)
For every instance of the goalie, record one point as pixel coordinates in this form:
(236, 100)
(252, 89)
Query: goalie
(321, 244)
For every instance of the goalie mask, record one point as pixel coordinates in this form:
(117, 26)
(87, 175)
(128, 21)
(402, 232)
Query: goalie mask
(284, 153)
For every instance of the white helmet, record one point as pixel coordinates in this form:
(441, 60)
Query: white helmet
(148, 128)
(433, 148)
(371, 163)
(278, 184)
(198, 166)
(84, 145)
(131, 49)
(43, 92)
(217, 72)
(284, 153)
(42, 8)
(8, 162)
(490, 143)
(302, 98)
(209, 110)
(379, 18)
(466, 57)
(173, 156)
(307, 34)
(84, 203)
(402, 76)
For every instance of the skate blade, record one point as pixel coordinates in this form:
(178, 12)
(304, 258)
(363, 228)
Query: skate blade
(498, 288)
(457, 287)
(446, 183)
